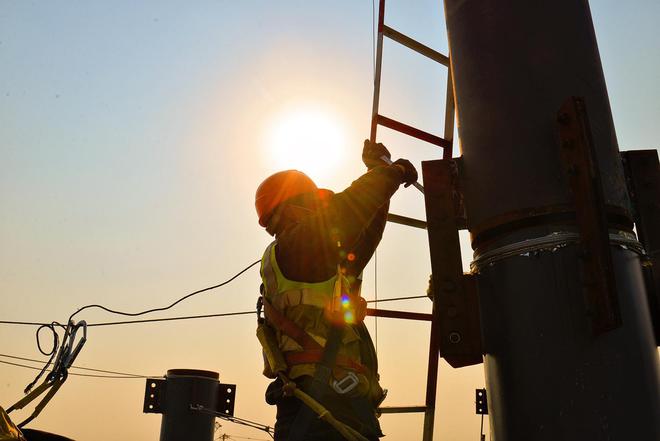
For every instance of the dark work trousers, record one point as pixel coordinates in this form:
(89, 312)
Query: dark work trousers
(319, 430)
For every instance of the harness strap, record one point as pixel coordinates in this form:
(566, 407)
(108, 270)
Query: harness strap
(319, 385)
(314, 357)
(312, 350)
(289, 327)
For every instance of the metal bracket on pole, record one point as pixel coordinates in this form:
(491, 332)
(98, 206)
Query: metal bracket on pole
(643, 176)
(154, 395)
(455, 297)
(580, 164)
(481, 402)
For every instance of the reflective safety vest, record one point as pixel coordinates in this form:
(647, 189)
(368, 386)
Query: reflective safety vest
(300, 314)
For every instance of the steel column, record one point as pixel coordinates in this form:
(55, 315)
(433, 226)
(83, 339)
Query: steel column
(550, 372)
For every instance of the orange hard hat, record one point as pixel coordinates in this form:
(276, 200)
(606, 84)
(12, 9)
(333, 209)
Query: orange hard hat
(281, 187)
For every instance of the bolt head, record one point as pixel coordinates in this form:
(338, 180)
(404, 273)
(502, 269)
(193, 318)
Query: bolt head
(454, 337)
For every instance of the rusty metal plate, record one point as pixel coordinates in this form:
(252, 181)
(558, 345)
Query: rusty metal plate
(578, 158)
(455, 298)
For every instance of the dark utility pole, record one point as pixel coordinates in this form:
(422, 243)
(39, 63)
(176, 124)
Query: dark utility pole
(189, 400)
(568, 342)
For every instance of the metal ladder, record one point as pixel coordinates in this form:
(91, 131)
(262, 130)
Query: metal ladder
(446, 143)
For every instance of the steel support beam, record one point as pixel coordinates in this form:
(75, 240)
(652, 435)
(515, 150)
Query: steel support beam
(549, 376)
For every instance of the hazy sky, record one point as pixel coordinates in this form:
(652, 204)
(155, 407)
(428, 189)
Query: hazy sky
(132, 138)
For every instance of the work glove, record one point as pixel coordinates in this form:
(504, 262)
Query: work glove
(408, 172)
(372, 152)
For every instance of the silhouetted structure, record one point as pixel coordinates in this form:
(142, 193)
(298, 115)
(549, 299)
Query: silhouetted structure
(567, 336)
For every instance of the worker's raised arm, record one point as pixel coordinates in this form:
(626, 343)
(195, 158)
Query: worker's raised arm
(335, 228)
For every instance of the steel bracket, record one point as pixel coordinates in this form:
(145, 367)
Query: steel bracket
(578, 157)
(481, 401)
(643, 177)
(455, 299)
(155, 396)
(226, 398)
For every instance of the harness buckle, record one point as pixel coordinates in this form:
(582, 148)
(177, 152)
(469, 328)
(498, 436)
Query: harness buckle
(346, 384)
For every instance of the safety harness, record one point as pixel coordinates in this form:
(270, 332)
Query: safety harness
(312, 351)
(324, 358)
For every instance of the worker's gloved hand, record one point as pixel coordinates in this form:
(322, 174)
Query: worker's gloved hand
(408, 172)
(372, 152)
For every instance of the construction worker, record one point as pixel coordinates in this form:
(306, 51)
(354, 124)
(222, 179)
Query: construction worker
(310, 294)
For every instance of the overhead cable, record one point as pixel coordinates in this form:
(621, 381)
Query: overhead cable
(52, 325)
(233, 419)
(187, 296)
(190, 317)
(129, 376)
(15, 357)
(166, 319)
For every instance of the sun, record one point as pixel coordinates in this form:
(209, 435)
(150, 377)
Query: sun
(307, 139)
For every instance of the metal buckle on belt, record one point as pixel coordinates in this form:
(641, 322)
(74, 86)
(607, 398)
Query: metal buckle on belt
(346, 384)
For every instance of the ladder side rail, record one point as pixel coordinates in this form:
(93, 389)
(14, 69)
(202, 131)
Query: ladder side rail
(450, 114)
(377, 73)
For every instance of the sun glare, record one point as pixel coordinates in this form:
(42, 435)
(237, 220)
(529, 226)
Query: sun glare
(310, 140)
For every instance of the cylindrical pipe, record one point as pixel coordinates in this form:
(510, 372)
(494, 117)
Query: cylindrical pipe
(184, 389)
(514, 63)
(548, 377)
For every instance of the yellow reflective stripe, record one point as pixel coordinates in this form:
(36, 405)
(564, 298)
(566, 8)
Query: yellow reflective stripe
(305, 296)
(267, 272)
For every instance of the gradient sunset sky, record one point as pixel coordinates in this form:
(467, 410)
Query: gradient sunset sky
(133, 135)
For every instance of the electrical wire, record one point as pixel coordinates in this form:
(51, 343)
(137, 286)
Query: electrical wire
(234, 419)
(167, 319)
(15, 357)
(10, 322)
(395, 299)
(191, 317)
(187, 296)
(248, 423)
(245, 437)
(70, 323)
(52, 353)
(130, 376)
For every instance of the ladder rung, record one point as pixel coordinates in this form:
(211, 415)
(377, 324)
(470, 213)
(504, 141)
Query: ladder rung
(402, 409)
(406, 315)
(415, 45)
(411, 131)
(408, 221)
